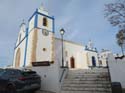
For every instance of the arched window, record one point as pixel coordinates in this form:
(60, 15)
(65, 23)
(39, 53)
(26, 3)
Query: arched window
(17, 60)
(45, 22)
(66, 53)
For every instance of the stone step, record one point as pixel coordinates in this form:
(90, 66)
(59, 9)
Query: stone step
(85, 92)
(79, 74)
(85, 89)
(86, 82)
(91, 73)
(87, 76)
(87, 79)
(89, 70)
(88, 85)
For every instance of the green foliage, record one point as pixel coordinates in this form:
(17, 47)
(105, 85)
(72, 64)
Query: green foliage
(120, 36)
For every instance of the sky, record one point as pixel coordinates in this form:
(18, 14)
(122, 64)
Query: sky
(83, 20)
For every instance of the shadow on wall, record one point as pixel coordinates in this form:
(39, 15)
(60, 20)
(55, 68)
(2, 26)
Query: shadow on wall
(117, 69)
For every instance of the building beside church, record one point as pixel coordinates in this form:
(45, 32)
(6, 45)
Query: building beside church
(38, 47)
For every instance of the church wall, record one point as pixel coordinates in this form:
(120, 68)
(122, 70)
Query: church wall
(82, 63)
(73, 50)
(58, 52)
(117, 69)
(22, 51)
(58, 59)
(40, 48)
(91, 54)
(30, 48)
(44, 42)
(50, 75)
(31, 23)
(21, 36)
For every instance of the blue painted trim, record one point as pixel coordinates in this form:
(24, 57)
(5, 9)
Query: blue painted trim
(23, 39)
(13, 64)
(25, 48)
(91, 50)
(36, 12)
(36, 21)
(20, 42)
(43, 28)
(53, 25)
(44, 15)
(33, 15)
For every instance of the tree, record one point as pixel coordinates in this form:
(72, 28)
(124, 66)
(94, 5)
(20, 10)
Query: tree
(120, 36)
(115, 13)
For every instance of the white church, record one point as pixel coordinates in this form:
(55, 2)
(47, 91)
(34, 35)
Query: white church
(37, 47)
(38, 43)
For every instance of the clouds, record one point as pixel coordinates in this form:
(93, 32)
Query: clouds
(82, 20)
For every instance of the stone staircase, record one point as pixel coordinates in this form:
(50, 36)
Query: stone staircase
(87, 81)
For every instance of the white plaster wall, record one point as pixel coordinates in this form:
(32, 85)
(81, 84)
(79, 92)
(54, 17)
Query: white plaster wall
(89, 56)
(85, 56)
(58, 52)
(40, 23)
(43, 11)
(22, 49)
(117, 70)
(73, 50)
(103, 62)
(29, 47)
(44, 42)
(50, 77)
(31, 23)
(22, 34)
(103, 57)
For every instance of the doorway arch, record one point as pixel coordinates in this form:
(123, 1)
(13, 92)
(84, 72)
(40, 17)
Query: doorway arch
(93, 61)
(72, 62)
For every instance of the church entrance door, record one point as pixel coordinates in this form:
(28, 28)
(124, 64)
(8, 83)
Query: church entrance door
(93, 61)
(72, 62)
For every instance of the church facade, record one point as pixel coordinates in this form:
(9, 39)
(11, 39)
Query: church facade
(37, 43)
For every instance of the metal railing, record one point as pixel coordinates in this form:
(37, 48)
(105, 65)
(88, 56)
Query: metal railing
(62, 75)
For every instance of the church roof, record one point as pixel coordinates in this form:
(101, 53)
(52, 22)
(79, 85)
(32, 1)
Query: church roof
(72, 42)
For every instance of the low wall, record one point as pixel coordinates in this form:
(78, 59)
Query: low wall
(49, 78)
(117, 69)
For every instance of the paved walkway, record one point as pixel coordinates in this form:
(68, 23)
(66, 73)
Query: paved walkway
(40, 91)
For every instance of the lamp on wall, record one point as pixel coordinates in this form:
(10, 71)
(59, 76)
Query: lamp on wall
(62, 31)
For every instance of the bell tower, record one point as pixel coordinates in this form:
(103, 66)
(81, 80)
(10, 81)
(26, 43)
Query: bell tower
(41, 37)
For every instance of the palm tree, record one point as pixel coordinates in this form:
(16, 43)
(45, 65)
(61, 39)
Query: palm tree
(120, 36)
